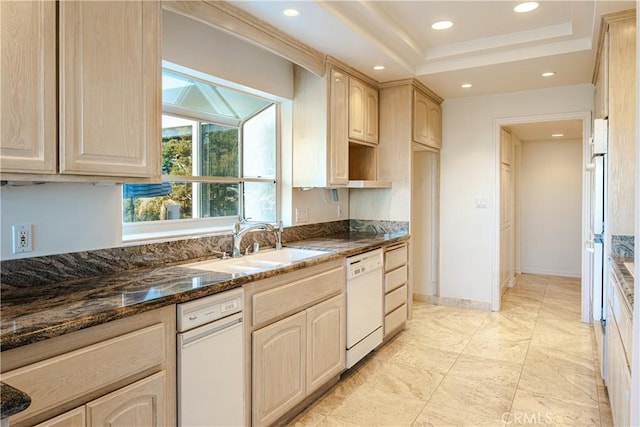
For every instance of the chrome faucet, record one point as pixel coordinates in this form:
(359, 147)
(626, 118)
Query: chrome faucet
(238, 232)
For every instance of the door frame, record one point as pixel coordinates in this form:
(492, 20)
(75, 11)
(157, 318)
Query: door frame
(585, 117)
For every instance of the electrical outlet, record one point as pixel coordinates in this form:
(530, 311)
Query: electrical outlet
(22, 238)
(302, 215)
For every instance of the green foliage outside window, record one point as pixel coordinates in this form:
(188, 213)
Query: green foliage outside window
(219, 157)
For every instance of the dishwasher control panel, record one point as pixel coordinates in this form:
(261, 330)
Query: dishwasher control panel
(364, 263)
(208, 309)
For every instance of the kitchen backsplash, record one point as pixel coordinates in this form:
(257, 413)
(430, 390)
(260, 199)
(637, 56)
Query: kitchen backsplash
(38, 271)
(622, 246)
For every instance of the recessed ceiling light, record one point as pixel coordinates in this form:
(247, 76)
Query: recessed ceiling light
(557, 135)
(526, 7)
(291, 12)
(378, 67)
(466, 85)
(442, 25)
(548, 74)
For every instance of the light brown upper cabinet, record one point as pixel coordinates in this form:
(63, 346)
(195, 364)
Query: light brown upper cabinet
(110, 92)
(327, 111)
(363, 112)
(427, 120)
(320, 129)
(28, 86)
(615, 99)
(109, 95)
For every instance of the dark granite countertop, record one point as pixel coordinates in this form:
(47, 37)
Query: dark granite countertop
(29, 315)
(12, 400)
(625, 278)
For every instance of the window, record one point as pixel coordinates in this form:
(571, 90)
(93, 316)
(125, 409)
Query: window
(219, 161)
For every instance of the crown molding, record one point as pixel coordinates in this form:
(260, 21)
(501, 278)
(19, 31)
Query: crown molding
(235, 21)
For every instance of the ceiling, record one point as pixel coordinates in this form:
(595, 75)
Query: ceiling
(490, 46)
(542, 131)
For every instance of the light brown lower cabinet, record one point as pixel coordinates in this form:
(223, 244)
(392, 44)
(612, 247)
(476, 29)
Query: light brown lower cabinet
(396, 277)
(326, 341)
(295, 356)
(74, 418)
(618, 369)
(279, 374)
(121, 373)
(296, 330)
(140, 404)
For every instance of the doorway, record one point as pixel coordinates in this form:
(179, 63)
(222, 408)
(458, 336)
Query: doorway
(538, 228)
(425, 223)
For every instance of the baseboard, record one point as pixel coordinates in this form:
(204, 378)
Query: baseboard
(453, 302)
(545, 272)
(431, 299)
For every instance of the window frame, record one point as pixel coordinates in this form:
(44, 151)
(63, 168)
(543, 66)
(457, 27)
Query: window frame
(149, 230)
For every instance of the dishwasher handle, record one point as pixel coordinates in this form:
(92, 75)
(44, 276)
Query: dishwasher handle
(195, 335)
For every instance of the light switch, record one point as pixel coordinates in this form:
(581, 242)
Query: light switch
(481, 203)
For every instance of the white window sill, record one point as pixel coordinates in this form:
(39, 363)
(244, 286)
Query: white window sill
(137, 237)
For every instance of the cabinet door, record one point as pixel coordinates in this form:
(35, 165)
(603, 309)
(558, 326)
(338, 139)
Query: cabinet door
(371, 115)
(420, 118)
(74, 418)
(625, 393)
(357, 108)
(279, 368)
(110, 90)
(140, 404)
(28, 86)
(325, 341)
(427, 121)
(339, 124)
(434, 125)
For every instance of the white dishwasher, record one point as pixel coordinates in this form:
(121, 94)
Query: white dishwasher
(364, 305)
(211, 361)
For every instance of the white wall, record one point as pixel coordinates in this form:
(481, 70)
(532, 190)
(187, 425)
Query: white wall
(65, 217)
(195, 45)
(320, 205)
(469, 170)
(550, 196)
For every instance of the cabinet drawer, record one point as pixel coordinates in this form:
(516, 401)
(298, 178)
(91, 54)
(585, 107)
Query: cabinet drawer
(395, 319)
(395, 299)
(73, 375)
(296, 295)
(394, 258)
(395, 278)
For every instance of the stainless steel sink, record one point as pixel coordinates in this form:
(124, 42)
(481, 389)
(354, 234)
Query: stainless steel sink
(261, 261)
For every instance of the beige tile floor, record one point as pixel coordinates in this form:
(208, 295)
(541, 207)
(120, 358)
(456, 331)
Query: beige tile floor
(532, 363)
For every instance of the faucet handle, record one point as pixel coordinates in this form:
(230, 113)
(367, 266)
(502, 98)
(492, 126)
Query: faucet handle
(278, 233)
